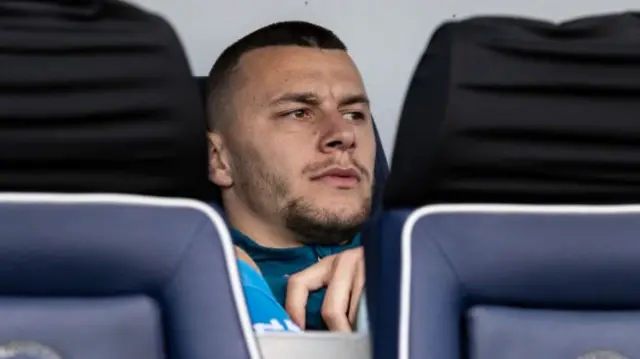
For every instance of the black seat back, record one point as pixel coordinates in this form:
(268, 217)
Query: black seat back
(96, 96)
(525, 111)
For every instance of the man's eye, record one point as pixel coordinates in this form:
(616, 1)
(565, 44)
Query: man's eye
(353, 116)
(299, 114)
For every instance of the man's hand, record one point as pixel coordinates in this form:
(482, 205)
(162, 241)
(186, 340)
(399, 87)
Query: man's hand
(343, 275)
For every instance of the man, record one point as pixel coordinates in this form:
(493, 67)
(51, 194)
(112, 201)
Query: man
(292, 147)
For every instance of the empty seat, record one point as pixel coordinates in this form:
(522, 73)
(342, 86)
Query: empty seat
(502, 282)
(505, 110)
(119, 276)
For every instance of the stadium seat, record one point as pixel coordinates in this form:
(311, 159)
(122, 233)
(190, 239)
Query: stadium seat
(118, 276)
(96, 96)
(513, 281)
(507, 110)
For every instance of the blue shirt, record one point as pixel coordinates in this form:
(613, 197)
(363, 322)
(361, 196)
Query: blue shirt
(276, 264)
(267, 315)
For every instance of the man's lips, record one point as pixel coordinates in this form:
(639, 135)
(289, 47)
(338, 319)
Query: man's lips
(339, 177)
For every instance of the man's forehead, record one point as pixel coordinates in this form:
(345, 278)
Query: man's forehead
(297, 68)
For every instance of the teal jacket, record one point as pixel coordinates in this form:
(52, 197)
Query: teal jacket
(278, 264)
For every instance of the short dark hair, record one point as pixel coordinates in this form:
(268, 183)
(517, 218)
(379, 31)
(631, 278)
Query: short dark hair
(295, 33)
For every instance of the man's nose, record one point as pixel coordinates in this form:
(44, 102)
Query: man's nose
(339, 135)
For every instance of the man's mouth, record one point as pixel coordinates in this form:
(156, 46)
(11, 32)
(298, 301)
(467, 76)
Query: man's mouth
(342, 178)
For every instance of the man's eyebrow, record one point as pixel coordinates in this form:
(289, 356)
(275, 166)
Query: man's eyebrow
(312, 99)
(356, 99)
(307, 98)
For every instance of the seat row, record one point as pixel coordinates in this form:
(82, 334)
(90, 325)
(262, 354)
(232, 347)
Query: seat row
(97, 97)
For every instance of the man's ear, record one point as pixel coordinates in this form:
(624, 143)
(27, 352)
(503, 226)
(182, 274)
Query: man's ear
(219, 166)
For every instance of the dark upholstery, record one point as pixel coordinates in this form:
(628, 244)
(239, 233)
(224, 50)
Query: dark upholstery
(492, 282)
(120, 277)
(512, 110)
(96, 96)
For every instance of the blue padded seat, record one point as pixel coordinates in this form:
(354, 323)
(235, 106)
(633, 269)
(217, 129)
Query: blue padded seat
(118, 276)
(509, 281)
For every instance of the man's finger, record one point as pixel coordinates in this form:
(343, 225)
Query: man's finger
(356, 292)
(300, 284)
(336, 300)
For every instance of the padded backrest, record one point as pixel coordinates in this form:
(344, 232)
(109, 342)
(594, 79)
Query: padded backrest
(511, 110)
(499, 282)
(96, 96)
(117, 276)
(517, 110)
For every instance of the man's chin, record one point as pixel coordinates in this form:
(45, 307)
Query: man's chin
(327, 221)
(339, 203)
(341, 211)
(315, 231)
(326, 227)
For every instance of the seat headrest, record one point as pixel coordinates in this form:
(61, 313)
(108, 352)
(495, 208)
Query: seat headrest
(105, 104)
(510, 110)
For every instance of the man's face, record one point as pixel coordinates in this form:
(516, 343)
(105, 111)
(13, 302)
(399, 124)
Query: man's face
(302, 146)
